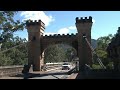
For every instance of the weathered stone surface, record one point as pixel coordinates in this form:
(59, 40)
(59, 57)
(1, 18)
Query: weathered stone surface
(38, 42)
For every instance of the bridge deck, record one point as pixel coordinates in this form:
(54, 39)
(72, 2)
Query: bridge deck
(99, 74)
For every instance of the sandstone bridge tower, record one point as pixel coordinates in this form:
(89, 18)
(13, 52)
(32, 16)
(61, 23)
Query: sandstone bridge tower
(35, 32)
(84, 52)
(38, 43)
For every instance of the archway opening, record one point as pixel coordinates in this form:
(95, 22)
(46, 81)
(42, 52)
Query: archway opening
(59, 53)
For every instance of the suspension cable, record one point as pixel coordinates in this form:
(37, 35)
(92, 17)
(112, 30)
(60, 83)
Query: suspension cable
(98, 59)
(14, 47)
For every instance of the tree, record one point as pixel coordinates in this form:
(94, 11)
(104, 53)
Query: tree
(4, 60)
(54, 53)
(8, 26)
(18, 55)
(102, 44)
(70, 53)
(59, 53)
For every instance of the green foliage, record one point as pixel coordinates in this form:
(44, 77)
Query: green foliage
(102, 44)
(7, 22)
(96, 66)
(15, 56)
(4, 60)
(70, 53)
(59, 53)
(110, 65)
(8, 25)
(55, 53)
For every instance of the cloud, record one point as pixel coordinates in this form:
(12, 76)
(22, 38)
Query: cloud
(49, 33)
(72, 27)
(93, 20)
(65, 30)
(36, 15)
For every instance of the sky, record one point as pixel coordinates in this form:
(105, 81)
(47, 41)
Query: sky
(63, 22)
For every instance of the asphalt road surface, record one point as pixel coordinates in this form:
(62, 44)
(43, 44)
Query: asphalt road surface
(55, 74)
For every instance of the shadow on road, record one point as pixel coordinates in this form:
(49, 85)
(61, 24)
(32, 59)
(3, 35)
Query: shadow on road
(32, 75)
(99, 74)
(55, 76)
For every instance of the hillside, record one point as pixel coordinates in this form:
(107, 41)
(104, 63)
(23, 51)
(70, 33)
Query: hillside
(93, 43)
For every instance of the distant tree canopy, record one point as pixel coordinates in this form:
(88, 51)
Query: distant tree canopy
(102, 43)
(16, 56)
(59, 53)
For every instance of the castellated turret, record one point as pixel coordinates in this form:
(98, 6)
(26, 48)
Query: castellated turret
(85, 20)
(35, 33)
(35, 22)
(35, 26)
(84, 26)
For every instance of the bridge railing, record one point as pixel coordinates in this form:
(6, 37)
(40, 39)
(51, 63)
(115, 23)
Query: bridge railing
(10, 70)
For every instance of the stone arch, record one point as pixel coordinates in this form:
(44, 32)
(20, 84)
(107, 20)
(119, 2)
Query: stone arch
(39, 43)
(47, 46)
(59, 39)
(67, 46)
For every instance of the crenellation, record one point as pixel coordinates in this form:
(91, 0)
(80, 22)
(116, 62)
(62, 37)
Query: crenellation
(118, 28)
(36, 48)
(58, 35)
(63, 34)
(81, 20)
(39, 20)
(55, 35)
(72, 34)
(77, 18)
(35, 22)
(30, 21)
(85, 20)
(90, 18)
(85, 17)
